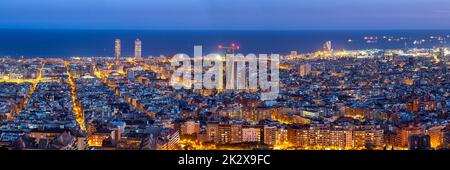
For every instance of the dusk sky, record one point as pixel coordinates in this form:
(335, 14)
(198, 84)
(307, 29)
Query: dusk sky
(225, 14)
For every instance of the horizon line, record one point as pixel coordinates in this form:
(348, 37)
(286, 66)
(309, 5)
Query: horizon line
(306, 29)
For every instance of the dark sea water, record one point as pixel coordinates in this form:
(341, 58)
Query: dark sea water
(67, 43)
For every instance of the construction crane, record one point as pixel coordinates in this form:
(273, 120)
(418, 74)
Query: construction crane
(230, 49)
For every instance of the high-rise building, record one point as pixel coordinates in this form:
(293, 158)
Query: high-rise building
(236, 133)
(305, 70)
(190, 127)
(212, 131)
(138, 49)
(298, 135)
(374, 137)
(327, 46)
(338, 138)
(251, 134)
(117, 50)
(282, 135)
(436, 136)
(403, 135)
(224, 132)
(319, 136)
(270, 135)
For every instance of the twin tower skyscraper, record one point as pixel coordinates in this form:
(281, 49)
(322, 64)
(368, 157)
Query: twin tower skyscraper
(137, 49)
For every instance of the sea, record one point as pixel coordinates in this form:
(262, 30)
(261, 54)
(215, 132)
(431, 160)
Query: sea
(100, 43)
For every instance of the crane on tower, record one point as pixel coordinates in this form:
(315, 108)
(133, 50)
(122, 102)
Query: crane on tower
(230, 49)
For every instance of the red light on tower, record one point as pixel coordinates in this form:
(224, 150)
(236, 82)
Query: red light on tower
(230, 49)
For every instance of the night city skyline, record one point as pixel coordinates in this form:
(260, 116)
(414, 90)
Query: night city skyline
(225, 83)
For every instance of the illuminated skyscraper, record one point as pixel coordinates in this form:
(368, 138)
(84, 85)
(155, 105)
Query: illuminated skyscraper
(230, 68)
(138, 49)
(327, 46)
(117, 49)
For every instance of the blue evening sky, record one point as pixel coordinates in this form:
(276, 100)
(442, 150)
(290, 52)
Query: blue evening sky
(225, 14)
